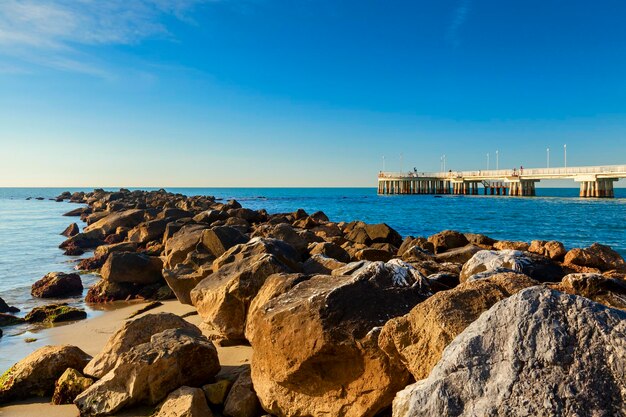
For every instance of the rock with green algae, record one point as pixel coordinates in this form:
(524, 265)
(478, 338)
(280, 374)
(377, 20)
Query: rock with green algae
(69, 385)
(55, 313)
(36, 374)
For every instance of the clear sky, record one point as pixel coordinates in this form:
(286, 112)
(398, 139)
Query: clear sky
(303, 92)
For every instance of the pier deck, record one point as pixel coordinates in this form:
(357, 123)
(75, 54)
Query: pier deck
(595, 181)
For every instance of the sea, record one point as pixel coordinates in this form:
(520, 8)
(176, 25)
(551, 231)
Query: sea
(30, 228)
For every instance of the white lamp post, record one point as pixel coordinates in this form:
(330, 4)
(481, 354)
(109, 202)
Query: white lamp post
(548, 153)
(488, 164)
(497, 160)
(565, 155)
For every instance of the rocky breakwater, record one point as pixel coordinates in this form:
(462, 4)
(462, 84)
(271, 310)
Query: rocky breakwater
(344, 319)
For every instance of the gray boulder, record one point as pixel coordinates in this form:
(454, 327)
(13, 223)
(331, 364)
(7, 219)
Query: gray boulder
(537, 353)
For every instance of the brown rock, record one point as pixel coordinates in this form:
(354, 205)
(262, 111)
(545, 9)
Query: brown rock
(181, 244)
(242, 400)
(320, 264)
(284, 252)
(185, 402)
(608, 291)
(371, 254)
(133, 268)
(448, 239)
(103, 251)
(550, 249)
(219, 239)
(216, 392)
(483, 241)
(149, 371)
(511, 245)
(458, 255)
(596, 256)
(68, 386)
(109, 223)
(315, 346)
(70, 230)
(56, 285)
(5, 308)
(419, 242)
(223, 298)
(134, 333)
(418, 339)
(147, 231)
(382, 233)
(330, 250)
(183, 278)
(35, 375)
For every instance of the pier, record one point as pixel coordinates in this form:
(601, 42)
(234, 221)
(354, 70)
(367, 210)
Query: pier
(595, 181)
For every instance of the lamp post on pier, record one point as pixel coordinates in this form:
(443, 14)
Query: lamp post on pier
(548, 153)
(497, 160)
(488, 165)
(383, 163)
(565, 156)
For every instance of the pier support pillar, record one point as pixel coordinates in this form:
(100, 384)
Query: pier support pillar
(600, 188)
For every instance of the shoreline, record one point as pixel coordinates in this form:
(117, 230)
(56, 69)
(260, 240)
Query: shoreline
(254, 278)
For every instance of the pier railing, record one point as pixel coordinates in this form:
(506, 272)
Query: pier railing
(564, 172)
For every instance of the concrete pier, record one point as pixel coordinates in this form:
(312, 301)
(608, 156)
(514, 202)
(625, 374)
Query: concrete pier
(595, 182)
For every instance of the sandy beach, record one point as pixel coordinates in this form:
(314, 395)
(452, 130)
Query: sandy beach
(91, 335)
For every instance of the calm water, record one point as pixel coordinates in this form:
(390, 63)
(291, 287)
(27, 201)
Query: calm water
(29, 229)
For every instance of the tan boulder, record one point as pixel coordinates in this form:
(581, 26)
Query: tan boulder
(596, 256)
(109, 223)
(511, 245)
(283, 251)
(219, 239)
(183, 278)
(316, 346)
(418, 338)
(181, 243)
(132, 267)
(604, 290)
(148, 372)
(222, 298)
(458, 255)
(320, 264)
(448, 239)
(242, 400)
(551, 249)
(185, 402)
(36, 374)
(103, 251)
(69, 385)
(133, 333)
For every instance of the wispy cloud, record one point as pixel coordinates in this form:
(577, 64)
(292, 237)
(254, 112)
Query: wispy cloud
(458, 19)
(56, 33)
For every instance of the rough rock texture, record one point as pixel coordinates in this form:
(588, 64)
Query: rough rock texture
(283, 251)
(108, 224)
(550, 249)
(537, 353)
(35, 375)
(316, 346)
(55, 313)
(149, 371)
(329, 250)
(181, 243)
(70, 230)
(371, 254)
(183, 278)
(69, 385)
(219, 239)
(216, 392)
(535, 266)
(103, 251)
(511, 245)
(458, 255)
(223, 298)
(608, 291)
(242, 400)
(9, 319)
(418, 338)
(147, 231)
(480, 240)
(185, 402)
(131, 334)
(57, 284)
(131, 267)
(448, 239)
(596, 256)
(321, 265)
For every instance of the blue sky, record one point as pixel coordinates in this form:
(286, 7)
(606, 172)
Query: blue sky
(303, 92)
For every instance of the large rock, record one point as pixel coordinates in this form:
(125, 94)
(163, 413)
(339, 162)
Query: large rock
(223, 298)
(533, 265)
(108, 224)
(35, 375)
(131, 334)
(458, 255)
(56, 285)
(448, 239)
(596, 256)
(148, 372)
(550, 249)
(183, 278)
(70, 230)
(382, 233)
(511, 245)
(103, 251)
(537, 353)
(321, 265)
(69, 385)
(5, 308)
(147, 231)
(418, 338)
(219, 239)
(329, 250)
(242, 400)
(181, 244)
(608, 291)
(316, 346)
(185, 402)
(283, 251)
(105, 291)
(55, 313)
(132, 267)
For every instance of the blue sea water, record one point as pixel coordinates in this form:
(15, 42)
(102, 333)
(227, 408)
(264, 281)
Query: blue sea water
(29, 229)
